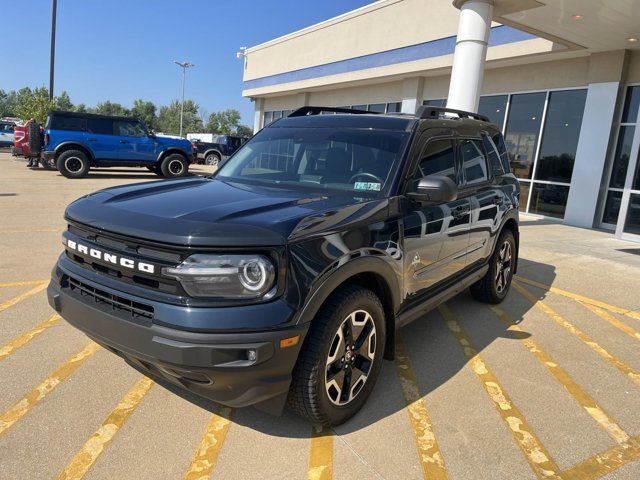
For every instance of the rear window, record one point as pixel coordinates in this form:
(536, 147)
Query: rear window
(59, 122)
(6, 127)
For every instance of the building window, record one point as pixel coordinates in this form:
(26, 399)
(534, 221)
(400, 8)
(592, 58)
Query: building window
(394, 107)
(359, 107)
(523, 131)
(435, 102)
(561, 134)
(377, 107)
(494, 107)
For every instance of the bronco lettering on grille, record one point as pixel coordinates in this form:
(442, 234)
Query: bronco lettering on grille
(110, 258)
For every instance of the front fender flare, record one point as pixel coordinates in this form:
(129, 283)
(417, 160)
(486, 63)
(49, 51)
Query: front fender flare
(328, 282)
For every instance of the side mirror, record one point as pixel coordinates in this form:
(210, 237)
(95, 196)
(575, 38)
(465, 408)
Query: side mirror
(152, 134)
(434, 189)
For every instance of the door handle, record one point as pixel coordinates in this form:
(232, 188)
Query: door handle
(124, 141)
(92, 139)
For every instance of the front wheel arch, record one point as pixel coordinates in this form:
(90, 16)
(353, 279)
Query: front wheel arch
(371, 272)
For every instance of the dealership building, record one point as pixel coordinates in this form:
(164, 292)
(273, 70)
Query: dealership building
(560, 77)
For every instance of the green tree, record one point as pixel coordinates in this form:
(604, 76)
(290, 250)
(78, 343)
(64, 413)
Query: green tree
(112, 108)
(224, 122)
(81, 108)
(63, 102)
(145, 111)
(169, 118)
(34, 104)
(244, 131)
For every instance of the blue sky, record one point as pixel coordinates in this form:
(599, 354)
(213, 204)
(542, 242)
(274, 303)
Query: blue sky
(120, 50)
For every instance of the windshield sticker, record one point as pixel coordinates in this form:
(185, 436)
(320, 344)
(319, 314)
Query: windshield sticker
(371, 186)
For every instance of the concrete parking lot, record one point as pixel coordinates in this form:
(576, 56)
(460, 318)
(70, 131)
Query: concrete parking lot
(547, 385)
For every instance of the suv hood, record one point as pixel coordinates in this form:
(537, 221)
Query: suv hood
(177, 142)
(210, 212)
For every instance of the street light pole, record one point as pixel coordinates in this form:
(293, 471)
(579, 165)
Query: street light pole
(52, 58)
(184, 66)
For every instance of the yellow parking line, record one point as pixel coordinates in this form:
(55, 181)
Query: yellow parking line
(616, 362)
(605, 462)
(22, 284)
(320, 454)
(536, 454)
(11, 302)
(80, 464)
(205, 456)
(581, 298)
(431, 459)
(26, 403)
(612, 320)
(579, 395)
(19, 341)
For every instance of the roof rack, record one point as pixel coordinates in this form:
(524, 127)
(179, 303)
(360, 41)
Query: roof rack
(436, 112)
(304, 111)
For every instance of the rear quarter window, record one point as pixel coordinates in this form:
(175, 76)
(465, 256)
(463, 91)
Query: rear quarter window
(498, 141)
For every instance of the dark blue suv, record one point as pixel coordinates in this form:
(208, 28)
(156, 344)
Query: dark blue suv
(75, 142)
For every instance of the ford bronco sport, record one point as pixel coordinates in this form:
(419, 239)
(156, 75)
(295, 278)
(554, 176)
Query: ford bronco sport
(285, 274)
(79, 141)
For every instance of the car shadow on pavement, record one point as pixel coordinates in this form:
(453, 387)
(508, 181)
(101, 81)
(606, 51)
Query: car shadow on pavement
(435, 356)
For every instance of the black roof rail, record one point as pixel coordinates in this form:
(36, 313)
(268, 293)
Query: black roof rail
(435, 112)
(304, 111)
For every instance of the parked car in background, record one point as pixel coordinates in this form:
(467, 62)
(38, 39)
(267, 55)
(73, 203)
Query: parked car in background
(27, 143)
(218, 149)
(6, 133)
(79, 141)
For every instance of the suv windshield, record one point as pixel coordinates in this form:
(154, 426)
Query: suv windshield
(336, 158)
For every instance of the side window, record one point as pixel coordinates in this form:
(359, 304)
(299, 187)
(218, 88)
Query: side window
(64, 122)
(473, 161)
(130, 129)
(498, 141)
(101, 126)
(437, 158)
(492, 155)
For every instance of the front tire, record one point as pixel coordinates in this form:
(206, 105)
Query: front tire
(341, 357)
(174, 166)
(73, 164)
(494, 286)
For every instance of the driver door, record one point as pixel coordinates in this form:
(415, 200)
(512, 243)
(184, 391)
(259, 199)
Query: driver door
(135, 145)
(436, 236)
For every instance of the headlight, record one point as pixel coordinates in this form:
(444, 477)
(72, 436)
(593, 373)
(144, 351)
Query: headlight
(225, 276)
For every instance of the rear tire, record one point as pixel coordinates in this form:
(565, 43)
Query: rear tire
(494, 286)
(73, 164)
(212, 159)
(341, 357)
(174, 166)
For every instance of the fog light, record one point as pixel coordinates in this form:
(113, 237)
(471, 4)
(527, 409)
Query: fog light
(252, 355)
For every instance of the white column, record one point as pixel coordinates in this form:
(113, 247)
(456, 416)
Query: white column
(412, 89)
(470, 54)
(258, 115)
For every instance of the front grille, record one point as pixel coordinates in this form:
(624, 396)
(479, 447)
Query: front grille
(117, 303)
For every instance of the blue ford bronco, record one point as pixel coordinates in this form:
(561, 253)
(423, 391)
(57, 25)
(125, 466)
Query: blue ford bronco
(284, 276)
(75, 142)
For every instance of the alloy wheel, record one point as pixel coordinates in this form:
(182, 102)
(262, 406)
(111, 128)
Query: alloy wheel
(503, 267)
(73, 164)
(176, 167)
(350, 357)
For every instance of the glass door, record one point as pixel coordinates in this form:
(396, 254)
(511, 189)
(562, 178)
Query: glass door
(622, 204)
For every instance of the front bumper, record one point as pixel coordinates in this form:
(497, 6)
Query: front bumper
(213, 365)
